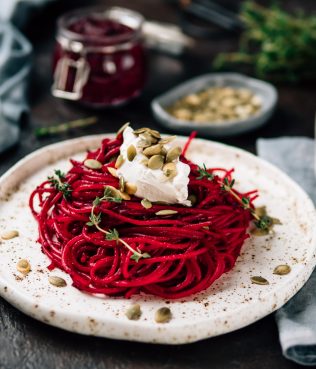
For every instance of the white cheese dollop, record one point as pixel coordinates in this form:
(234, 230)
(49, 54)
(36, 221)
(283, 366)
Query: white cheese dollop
(151, 183)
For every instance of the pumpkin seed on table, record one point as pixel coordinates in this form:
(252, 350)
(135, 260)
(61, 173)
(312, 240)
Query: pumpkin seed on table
(173, 154)
(92, 164)
(153, 150)
(163, 315)
(166, 212)
(133, 312)
(23, 266)
(112, 171)
(156, 162)
(8, 235)
(130, 188)
(282, 269)
(119, 161)
(131, 152)
(57, 281)
(146, 204)
(259, 280)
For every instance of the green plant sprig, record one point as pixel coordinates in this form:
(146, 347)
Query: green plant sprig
(59, 183)
(263, 222)
(112, 234)
(276, 44)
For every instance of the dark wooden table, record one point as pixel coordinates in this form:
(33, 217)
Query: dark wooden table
(26, 343)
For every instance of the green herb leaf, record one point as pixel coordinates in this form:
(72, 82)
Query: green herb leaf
(137, 256)
(59, 183)
(108, 196)
(112, 235)
(89, 224)
(96, 201)
(203, 173)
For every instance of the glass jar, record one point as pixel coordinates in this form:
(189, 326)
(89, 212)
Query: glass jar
(99, 57)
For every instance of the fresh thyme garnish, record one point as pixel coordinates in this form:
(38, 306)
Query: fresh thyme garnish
(263, 221)
(203, 173)
(111, 234)
(58, 182)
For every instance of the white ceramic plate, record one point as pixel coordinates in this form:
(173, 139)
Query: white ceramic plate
(231, 303)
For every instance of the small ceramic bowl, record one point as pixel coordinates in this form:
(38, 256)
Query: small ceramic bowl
(264, 90)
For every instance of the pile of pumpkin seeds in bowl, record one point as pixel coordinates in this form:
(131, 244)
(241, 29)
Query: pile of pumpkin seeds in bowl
(216, 105)
(156, 155)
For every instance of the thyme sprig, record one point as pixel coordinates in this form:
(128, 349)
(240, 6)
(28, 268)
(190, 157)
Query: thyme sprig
(112, 234)
(203, 173)
(263, 222)
(58, 181)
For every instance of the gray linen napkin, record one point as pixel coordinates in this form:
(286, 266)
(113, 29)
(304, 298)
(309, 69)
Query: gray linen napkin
(15, 65)
(297, 319)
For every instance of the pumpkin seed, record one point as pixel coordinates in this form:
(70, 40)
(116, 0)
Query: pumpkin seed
(112, 171)
(130, 188)
(57, 281)
(134, 312)
(122, 129)
(148, 137)
(92, 164)
(282, 269)
(114, 192)
(169, 170)
(121, 184)
(173, 154)
(166, 140)
(259, 280)
(156, 162)
(124, 195)
(163, 315)
(23, 266)
(154, 133)
(119, 161)
(140, 130)
(192, 198)
(153, 150)
(144, 162)
(146, 203)
(9, 234)
(166, 212)
(131, 152)
(142, 144)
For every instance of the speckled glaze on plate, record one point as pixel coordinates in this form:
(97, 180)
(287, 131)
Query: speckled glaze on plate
(230, 303)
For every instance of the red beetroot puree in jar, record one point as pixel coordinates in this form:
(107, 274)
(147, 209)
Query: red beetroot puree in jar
(99, 57)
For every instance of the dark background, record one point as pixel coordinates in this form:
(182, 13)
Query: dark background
(26, 343)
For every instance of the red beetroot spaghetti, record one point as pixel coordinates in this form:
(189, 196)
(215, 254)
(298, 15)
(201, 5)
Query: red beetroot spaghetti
(120, 248)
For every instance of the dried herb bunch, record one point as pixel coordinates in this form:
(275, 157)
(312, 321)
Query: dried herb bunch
(278, 45)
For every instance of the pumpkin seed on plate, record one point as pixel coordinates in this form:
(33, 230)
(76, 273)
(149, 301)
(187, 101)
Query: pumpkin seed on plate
(142, 144)
(163, 315)
(173, 154)
(130, 188)
(23, 266)
(8, 235)
(119, 161)
(166, 212)
(112, 171)
(259, 280)
(153, 150)
(140, 130)
(133, 312)
(122, 129)
(282, 269)
(166, 140)
(169, 170)
(131, 152)
(57, 281)
(154, 133)
(156, 162)
(146, 204)
(92, 164)
(124, 195)
(121, 184)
